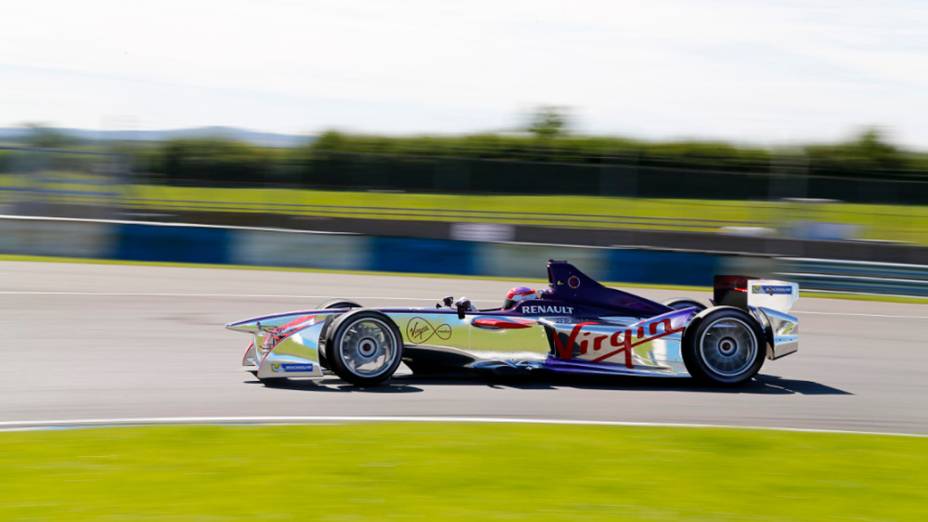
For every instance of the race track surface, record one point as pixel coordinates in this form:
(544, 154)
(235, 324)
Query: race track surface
(98, 341)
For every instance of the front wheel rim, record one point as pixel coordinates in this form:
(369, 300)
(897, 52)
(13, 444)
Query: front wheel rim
(728, 347)
(368, 347)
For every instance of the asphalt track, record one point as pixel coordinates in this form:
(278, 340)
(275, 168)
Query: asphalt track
(102, 341)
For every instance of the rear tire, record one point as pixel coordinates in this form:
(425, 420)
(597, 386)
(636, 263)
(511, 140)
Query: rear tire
(680, 304)
(338, 303)
(723, 345)
(364, 347)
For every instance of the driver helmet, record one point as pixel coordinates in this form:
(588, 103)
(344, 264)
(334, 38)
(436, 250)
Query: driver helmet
(518, 294)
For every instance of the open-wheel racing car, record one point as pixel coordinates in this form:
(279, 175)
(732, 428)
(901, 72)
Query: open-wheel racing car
(576, 325)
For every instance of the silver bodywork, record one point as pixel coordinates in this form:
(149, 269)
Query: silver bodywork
(288, 344)
(781, 330)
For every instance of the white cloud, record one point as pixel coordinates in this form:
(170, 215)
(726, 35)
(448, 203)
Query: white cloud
(741, 70)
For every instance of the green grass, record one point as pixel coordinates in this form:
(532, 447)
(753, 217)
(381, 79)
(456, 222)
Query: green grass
(884, 222)
(682, 288)
(467, 472)
(888, 222)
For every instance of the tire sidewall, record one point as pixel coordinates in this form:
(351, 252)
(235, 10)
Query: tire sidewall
(334, 334)
(690, 347)
(338, 303)
(325, 352)
(689, 302)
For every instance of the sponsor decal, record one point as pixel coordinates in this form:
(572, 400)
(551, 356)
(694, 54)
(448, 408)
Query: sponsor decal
(573, 281)
(420, 330)
(275, 336)
(291, 367)
(600, 346)
(297, 367)
(495, 323)
(547, 310)
(772, 289)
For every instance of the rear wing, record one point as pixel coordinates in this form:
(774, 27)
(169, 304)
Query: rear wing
(746, 291)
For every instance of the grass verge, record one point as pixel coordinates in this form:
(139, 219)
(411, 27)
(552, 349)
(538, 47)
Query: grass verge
(410, 472)
(681, 288)
(907, 223)
(894, 222)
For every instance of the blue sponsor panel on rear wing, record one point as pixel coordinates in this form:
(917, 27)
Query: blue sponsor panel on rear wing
(772, 289)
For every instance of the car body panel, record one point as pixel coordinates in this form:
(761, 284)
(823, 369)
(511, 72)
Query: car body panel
(578, 326)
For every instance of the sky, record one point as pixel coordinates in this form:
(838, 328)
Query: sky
(744, 70)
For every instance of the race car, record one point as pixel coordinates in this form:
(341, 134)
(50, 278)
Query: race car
(575, 325)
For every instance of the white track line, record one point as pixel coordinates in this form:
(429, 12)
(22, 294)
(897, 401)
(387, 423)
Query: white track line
(172, 224)
(143, 421)
(850, 314)
(219, 295)
(359, 298)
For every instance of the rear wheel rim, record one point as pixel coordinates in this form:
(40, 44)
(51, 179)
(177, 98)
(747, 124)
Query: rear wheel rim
(368, 347)
(728, 347)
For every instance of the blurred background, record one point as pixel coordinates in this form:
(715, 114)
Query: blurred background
(648, 131)
(650, 143)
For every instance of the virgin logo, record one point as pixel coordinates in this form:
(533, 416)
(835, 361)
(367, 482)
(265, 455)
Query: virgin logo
(604, 346)
(420, 330)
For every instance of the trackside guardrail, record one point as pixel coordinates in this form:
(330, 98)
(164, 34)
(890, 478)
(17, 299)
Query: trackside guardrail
(856, 276)
(187, 243)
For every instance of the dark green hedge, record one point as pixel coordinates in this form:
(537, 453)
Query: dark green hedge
(865, 169)
(6, 161)
(209, 161)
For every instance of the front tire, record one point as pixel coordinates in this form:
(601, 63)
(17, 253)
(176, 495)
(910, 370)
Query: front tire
(364, 347)
(723, 345)
(331, 305)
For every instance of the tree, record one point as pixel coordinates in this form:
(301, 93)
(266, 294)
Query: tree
(548, 121)
(868, 153)
(872, 145)
(41, 135)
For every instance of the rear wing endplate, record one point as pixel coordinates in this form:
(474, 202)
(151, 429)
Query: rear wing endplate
(746, 291)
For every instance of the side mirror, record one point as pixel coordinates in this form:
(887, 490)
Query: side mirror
(463, 306)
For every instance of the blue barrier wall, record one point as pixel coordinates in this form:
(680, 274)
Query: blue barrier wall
(432, 256)
(135, 241)
(182, 244)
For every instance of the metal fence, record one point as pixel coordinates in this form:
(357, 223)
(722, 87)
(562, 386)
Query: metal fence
(785, 176)
(856, 276)
(40, 181)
